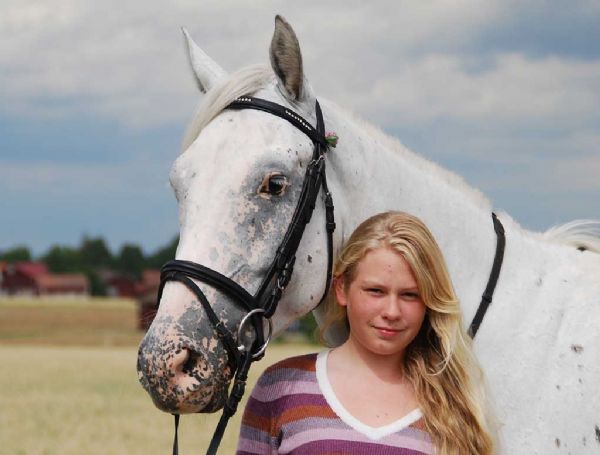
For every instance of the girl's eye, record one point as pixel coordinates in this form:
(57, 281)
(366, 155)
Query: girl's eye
(374, 290)
(411, 295)
(274, 184)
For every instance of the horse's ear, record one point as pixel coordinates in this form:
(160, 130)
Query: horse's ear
(286, 60)
(206, 71)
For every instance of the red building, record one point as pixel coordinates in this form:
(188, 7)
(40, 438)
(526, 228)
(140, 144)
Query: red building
(118, 285)
(61, 284)
(33, 278)
(19, 278)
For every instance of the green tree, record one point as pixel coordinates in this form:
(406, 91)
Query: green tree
(94, 253)
(62, 259)
(16, 254)
(164, 254)
(97, 286)
(130, 260)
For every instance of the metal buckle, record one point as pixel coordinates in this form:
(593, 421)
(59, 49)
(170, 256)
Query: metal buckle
(242, 347)
(317, 161)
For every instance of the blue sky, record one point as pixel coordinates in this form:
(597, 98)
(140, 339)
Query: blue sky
(94, 99)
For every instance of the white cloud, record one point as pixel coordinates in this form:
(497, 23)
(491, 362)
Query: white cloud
(126, 60)
(401, 64)
(512, 90)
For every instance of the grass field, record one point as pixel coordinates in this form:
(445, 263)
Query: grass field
(69, 322)
(69, 385)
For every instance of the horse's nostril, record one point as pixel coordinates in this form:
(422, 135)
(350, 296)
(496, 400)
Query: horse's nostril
(190, 363)
(180, 361)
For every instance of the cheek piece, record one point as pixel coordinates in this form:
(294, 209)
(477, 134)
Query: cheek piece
(261, 306)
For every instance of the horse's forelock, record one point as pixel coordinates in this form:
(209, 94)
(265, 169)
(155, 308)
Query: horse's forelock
(243, 82)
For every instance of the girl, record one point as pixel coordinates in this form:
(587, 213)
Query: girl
(404, 381)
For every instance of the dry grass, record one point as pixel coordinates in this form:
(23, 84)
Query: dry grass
(86, 399)
(69, 321)
(69, 400)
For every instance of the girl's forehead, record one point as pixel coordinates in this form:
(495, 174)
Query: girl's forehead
(384, 262)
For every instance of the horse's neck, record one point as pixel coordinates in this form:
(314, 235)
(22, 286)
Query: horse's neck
(371, 173)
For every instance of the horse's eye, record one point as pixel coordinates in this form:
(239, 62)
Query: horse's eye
(274, 184)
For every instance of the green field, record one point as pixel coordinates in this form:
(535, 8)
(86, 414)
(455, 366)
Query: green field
(69, 385)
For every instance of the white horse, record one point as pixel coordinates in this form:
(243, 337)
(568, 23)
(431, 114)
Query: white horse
(237, 182)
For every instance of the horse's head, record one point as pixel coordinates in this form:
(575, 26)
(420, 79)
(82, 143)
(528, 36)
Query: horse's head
(237, 183)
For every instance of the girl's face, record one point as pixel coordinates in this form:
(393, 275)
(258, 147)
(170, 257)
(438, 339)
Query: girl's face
(383, 305)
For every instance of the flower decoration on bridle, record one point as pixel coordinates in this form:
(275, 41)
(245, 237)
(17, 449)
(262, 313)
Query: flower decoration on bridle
(331, 138)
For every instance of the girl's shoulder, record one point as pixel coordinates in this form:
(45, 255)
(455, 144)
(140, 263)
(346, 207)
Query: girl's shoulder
(305, 362)
(297, 368)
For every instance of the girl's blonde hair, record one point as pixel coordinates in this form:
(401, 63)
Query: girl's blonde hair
(439, 362)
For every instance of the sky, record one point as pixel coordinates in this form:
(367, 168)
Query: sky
(95, 98)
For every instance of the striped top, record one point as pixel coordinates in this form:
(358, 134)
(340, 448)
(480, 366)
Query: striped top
(293, 410)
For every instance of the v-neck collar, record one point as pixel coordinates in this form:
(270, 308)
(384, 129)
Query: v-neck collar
(373, 433)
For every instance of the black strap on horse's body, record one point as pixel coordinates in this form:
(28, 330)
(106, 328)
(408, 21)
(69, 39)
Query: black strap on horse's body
(261, 306)
(486, 298)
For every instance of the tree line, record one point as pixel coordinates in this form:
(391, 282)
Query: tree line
(92, 256)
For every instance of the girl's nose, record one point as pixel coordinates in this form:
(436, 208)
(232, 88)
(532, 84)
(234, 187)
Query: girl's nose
(392, 308)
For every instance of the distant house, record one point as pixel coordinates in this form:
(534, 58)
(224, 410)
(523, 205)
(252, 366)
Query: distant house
(146, 294)
(19, 278)
(62, 284)
(33, 278)
(119, 285)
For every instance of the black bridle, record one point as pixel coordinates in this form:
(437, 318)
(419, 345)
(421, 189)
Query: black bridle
(263, 304)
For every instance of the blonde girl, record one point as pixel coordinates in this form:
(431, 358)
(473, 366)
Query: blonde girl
(404, 380)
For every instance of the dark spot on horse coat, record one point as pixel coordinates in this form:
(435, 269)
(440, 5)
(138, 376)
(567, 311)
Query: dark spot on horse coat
(309, 258)
(577, 348)
(597, 430)
(557, 442)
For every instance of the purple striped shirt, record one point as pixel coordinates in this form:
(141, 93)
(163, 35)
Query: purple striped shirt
(293, 410)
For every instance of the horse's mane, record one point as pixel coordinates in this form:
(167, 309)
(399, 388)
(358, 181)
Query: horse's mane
(253, 78)
(453, 180)
(243, 82)
(582, 234)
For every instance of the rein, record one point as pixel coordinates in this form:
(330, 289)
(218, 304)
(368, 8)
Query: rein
(263, 304)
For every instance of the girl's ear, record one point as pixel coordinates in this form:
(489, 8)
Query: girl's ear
(340, 291)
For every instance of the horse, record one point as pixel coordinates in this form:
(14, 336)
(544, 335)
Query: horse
(237, 181)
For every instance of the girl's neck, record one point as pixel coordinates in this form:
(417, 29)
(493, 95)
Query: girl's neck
(386, 368)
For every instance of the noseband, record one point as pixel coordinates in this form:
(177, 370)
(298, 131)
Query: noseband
(263, 304)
